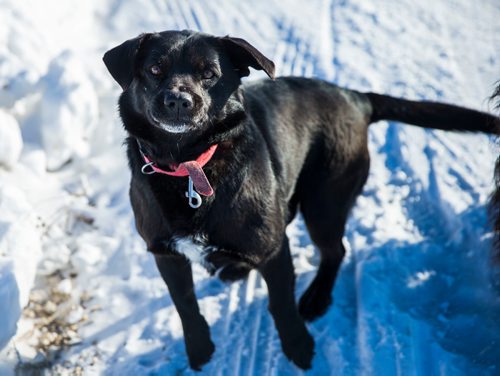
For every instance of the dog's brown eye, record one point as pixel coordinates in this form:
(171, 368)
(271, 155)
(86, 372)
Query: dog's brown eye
(208, 74)
(155, 70)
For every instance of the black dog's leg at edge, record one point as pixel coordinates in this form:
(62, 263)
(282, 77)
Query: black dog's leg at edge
(297, 343)
(177, 274)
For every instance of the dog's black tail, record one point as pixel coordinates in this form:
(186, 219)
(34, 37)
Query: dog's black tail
(432, 115)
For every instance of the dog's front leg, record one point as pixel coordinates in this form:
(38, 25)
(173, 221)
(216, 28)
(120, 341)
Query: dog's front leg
(297, 343)
(176, 272)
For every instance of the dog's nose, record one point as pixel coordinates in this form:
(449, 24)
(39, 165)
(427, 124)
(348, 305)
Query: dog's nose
(178, 102)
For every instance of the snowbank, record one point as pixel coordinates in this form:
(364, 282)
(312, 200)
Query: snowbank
(68, 110)
(20, 251)
(11, 142)
(9, 300)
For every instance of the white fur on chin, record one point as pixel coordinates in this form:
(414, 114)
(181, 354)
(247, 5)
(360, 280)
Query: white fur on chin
(181, 128)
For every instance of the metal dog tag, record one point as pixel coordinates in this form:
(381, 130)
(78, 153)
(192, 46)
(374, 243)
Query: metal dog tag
(194, 198)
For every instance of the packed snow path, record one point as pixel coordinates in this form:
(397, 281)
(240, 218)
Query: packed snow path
(414, 296)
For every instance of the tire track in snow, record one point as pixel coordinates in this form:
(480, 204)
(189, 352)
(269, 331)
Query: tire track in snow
(200, 17)
(254, 334)
(233, 327)
(188, 15)
(186, 22)
(284, 53)
(234, 336)
(167, 8)
(238, 324)
(293, 54)
(339, 25)
(332, 34)
(230, 309)
(242, 325)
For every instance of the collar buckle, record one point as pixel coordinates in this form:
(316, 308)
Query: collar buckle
(147, 169)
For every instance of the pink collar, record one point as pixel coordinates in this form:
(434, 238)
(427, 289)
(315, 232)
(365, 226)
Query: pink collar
(180, 169)
(193, 169)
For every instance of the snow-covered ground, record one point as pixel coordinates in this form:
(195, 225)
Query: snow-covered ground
(415, 295)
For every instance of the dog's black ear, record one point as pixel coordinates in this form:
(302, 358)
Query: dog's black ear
(244, 55)
(120, 60)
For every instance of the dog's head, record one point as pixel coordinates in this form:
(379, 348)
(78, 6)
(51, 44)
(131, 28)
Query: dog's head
(181, 81)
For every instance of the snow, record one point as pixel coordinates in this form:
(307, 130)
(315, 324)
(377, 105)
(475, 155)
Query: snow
(68, 110)
(9, 296)
(11, 142)
(20, 250)
(416, 293)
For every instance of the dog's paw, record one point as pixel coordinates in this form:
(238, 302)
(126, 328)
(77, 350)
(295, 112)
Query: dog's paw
(199, 346)
(300, 349)
(314, 302)
(200, 354)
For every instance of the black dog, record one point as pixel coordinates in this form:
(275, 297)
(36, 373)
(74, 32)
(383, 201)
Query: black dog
(257, 152)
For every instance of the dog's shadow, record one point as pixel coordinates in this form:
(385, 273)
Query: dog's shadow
(427, 301)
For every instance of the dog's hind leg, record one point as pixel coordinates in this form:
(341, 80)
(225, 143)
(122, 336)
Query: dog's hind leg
(297, 343)
(325, 207)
